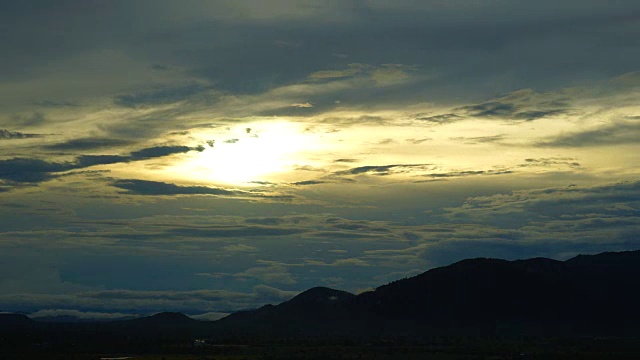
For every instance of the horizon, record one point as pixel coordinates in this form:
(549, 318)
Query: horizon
(214, 156)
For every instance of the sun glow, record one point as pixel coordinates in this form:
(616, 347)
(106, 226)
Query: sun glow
(253, 152)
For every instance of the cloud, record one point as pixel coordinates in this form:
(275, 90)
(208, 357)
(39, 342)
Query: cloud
(441, 118)
(209, 316)
(350, 262)
(143, 154)
(160, 151)
(308, 182)
(11, 135)
(382, 170)
(239, 248)
(162, 96)
(521, 105)
(351, 70)
(302, 105)
(150, 301)
(524, 206)
(88, 144)
(457, 174)
(550, 162)
(524, 105)
(265, 221)
(226, 231)
(79, 314)
(479, 139)
(145, 187)
(24, 170)
(36, 118)
(269, 274)
(618, 133)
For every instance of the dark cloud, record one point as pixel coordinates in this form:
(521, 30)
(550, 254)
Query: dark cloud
(308, 182)
(440, 119)
(10, 135)
(418, 141)
(467, 173)
(490, 109)
(143, 187)
(160, 151)
(92, 160)
(479, 139)
(550, 162)
(161, 96)
(523, 105)
(88, 144)
(381, 170)
(618, 133)
(537, 114)
(22, 170)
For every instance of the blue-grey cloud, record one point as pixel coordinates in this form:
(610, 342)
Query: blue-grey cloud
(10, 135)
(479, 139)
(381, 170)
(618, 133)
(233, 232)
(161, 96)
(308, 182)
(25, 170)
(144, 187)
(89, 143)
(21, 170)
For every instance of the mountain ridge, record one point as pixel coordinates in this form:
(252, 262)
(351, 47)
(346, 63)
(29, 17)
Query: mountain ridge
(582, 296)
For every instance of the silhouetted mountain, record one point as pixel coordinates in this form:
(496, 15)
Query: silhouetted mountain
(163, 319)
(310, 312)
(11, 322)
(319, 296)
(596, 294)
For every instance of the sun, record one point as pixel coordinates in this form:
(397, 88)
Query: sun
(250, 153)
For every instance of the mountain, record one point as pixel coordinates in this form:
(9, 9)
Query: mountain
(162, 319)
(586, 295)
(312, 312)
(15, 322)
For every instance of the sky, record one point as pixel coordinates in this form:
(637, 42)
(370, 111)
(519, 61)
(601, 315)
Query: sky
(212, 156)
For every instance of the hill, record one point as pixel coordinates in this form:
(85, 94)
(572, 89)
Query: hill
(586, 295)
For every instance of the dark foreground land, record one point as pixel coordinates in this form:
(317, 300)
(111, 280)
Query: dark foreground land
(583, 308)
(444, 349)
